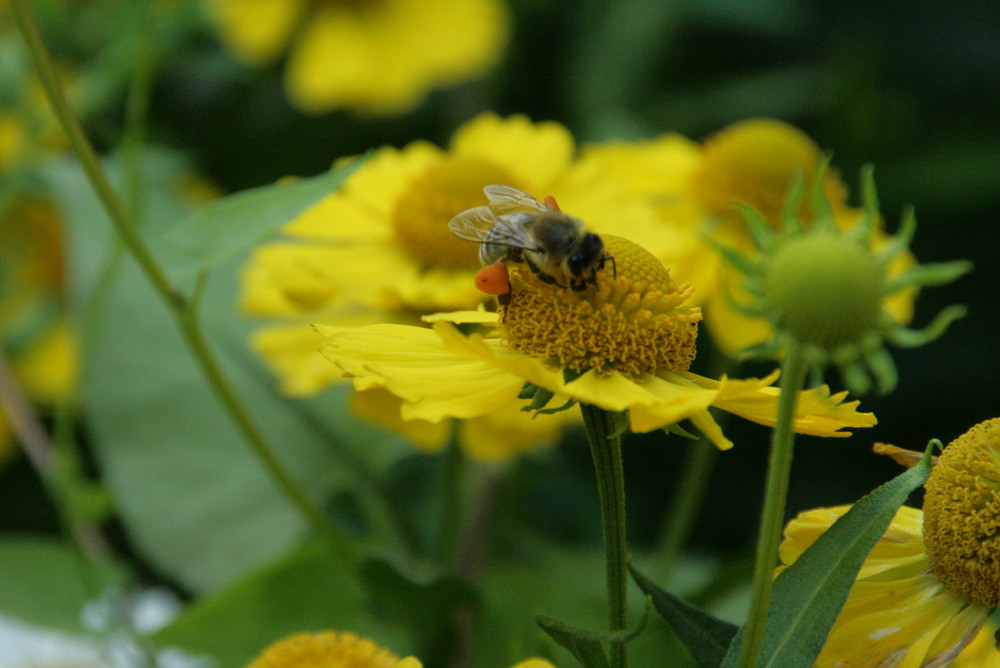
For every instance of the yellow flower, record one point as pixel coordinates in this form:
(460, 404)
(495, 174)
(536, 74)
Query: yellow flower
(924, 593)
(34, 330)
(624, 344)
(379, 249)
(330, 649)
(379, 56)
(696, 188)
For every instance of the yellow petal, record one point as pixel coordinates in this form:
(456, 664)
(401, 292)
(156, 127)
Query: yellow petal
(382, 408)
(536, 153)
(509, 431)
(817, 412)
(257, 30)
(414, 364)
(901, 546)
(290, 351)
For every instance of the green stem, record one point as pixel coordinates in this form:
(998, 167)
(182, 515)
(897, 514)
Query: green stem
(606, 449)
(793, 373)
(180, 308)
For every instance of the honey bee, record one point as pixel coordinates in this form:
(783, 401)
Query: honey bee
(516, 226)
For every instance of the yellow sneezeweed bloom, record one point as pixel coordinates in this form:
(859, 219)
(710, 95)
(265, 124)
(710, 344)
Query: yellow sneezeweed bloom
(924, 594)
(376, 56)
(379, 250)
(697, 189)
(624, 344)
(332, 649)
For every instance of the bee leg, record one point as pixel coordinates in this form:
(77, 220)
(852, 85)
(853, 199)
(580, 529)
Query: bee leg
(614, 265)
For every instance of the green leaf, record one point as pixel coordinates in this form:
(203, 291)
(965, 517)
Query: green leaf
(230, 226)
(308, 590)
(582, 645)
(194, 501)
(809, 594)
(47, 582)
(705, 636)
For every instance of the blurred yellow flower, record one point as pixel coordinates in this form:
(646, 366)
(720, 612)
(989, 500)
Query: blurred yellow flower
(924, 594)
(336, 649)
(329, 649)
(379, 249)
(377, 56)
(34, 331)
(696, 188)
(622, 345)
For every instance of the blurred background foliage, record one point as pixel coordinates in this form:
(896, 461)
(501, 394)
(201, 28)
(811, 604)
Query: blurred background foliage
(913, 88)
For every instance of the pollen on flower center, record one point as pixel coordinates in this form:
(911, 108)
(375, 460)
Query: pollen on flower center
(632, 321)
(422, 213)
(962, 515)
(326, 648)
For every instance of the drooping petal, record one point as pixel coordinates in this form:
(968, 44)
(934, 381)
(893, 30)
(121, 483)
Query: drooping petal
(818, 413)
(414, 364)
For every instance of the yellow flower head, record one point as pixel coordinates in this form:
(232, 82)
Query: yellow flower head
(829, 290)
(329, 649)
(923, 595)
(379, 249)
(634, 322)
(698, 191)
(962, 514)
(334, 649)
(377, 56)
(622, 342)
(898, 612)
(755, 162)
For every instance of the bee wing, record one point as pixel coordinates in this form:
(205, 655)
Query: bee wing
(482, 224)
(473, 224)
(504, 199)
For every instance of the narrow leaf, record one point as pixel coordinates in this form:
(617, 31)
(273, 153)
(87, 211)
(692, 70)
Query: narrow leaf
(809, 594)
(582, 645)
(705, 636)
(229, 226)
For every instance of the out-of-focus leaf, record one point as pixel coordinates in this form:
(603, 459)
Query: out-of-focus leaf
(193, 498)
(47, 582)
(230, 226)
(306, 591)
(431, 609)
(706, 637)
(809, 594)
(567, 585)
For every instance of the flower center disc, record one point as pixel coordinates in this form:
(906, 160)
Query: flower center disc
(962, 515)
(434, 198)
(632, 321)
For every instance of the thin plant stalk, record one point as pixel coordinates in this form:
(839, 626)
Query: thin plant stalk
(604, 438)
(793, 373)
(181, 309)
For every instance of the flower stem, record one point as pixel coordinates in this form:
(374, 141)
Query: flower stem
(606, 449)
(181, 309)
(793, 373)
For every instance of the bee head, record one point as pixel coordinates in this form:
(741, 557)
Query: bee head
(587, 255)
